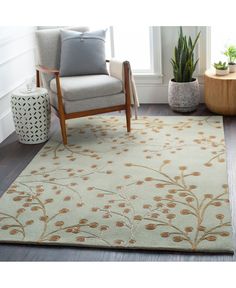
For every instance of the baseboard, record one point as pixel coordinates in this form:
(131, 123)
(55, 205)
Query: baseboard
(6, 125)
(159, 94)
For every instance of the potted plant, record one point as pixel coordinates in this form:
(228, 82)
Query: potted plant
(183, 90)
(231, 54)
(221, 68)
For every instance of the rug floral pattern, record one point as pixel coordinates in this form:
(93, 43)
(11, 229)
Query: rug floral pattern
(162, 186)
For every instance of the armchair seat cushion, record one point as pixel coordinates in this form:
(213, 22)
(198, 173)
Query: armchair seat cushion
(88, 104)
(87, 86)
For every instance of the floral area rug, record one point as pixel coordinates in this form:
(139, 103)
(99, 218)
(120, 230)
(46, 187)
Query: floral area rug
(163, 186)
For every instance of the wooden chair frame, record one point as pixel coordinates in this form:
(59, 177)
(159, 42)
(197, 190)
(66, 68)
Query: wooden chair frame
(60, 112)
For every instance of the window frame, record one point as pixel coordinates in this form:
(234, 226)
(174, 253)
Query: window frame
(153, 75)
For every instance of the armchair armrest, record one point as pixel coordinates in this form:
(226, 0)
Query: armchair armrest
(117, 68)
(47, 70)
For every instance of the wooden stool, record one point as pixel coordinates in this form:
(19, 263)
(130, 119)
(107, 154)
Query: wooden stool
(220, 93)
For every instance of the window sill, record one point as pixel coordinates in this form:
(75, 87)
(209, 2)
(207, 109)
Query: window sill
(147, 79)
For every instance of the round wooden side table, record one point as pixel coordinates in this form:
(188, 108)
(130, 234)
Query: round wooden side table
(220, 92)
(31, 115)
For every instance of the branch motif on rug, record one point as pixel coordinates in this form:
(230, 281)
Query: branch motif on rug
(162, 186)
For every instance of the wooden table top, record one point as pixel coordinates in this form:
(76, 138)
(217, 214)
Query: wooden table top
(212, 74)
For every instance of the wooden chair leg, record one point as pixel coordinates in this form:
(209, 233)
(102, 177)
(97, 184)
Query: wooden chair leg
(63, 130)
(128, 118)
(61, 110)
(127, 95)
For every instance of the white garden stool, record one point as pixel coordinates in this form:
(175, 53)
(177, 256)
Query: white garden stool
(31, 114)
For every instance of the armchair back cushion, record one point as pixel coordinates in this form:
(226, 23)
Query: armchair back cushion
(48, 49)
(82, 53)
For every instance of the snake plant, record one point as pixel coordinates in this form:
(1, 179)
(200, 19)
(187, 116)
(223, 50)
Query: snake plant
(183, 62)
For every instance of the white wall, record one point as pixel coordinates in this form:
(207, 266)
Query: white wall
(158, 92)
(16, 64)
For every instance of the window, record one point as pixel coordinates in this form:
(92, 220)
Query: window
(141, 45)
(134, 45)
(220, 39)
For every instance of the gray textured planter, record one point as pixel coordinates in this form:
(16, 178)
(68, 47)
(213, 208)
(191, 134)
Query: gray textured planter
(222, 72)
(183, 96)
(232, 67)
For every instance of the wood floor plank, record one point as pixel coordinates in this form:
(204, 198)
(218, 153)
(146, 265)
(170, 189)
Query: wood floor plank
(14, 157)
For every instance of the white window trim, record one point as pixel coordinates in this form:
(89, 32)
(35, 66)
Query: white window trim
(153, 76)
(112, 43)
(203, 52)
(208, 47)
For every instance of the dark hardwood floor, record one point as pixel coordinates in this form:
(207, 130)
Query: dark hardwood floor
(15, 156)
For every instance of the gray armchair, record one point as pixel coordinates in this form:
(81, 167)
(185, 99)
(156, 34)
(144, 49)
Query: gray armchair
(78, 96)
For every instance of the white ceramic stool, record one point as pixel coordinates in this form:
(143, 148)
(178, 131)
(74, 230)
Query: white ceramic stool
(31, 114)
